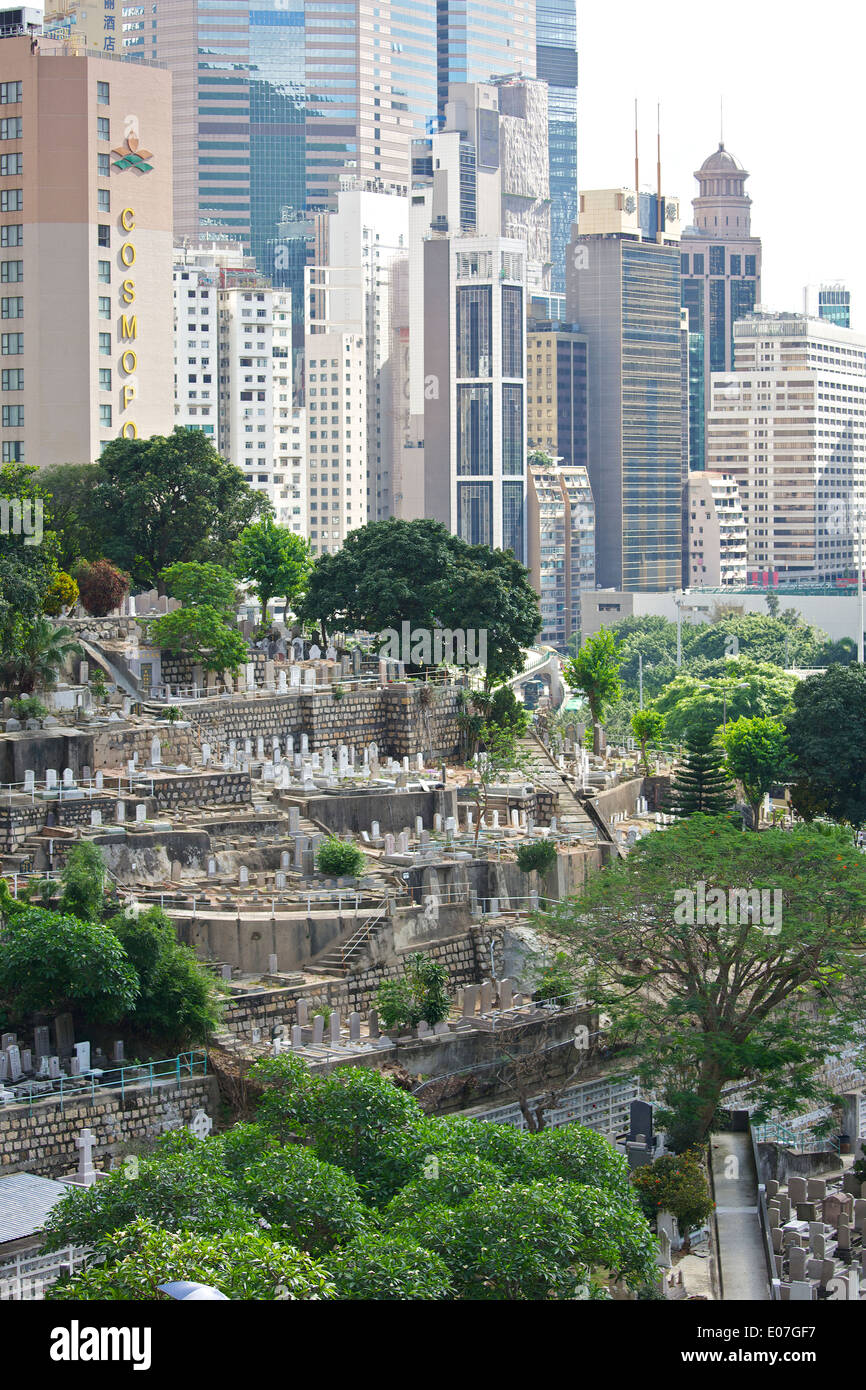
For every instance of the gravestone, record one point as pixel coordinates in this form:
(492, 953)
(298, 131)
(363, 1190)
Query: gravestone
(303, 1009)
(354, 1026)
(318, 1030)
(82, 1052)
(373, 1023)
(797, 1190)
(86, 1143)
(13, 1060)
(334, 1027)
(64, 1033)
(640, 1122)
(42, 1041)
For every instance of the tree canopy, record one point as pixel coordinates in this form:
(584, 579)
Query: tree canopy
(721, 957)
(274, 559)
(827, 740)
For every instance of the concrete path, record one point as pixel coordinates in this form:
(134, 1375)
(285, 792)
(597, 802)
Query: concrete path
(741, 1247)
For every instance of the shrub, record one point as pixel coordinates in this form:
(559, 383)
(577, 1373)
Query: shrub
(420, 993)
(554, 980)
(83, 882)
(536, 854)
(101, 587)
(676, 1183)
(388, 1268)
(339, 857)
(178, 1004)
(29, 708)
(62, 594)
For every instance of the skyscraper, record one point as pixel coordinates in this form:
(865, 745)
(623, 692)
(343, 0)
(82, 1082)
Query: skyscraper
(721, 272)
(478, 41)
(830, 302)
(556, 63)
(85, 265)
(623, 288)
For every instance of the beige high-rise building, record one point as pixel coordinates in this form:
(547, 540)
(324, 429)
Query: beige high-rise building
(85, 252)
(715, 532)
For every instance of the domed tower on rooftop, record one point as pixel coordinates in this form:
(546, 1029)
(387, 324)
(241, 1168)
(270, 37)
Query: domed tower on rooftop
(722, 207)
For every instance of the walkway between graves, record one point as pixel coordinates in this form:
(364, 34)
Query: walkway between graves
(741, 1257)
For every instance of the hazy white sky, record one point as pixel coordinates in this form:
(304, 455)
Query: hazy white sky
(791, 77)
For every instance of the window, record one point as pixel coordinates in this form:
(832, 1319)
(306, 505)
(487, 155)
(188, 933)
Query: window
(12, 308)
(104, 306)
(698, 263)
(105, 378)
(13, 417)
(12, 235)
(105, 417)
(751, 265)
(736, 262)
(103, 128)
(103, 167)
(12, 379)
(11, 164)
(103, 234)
(9, 92)
(104, 272)
(11, 199)
(684, 264)
(717, 260)
(105, 344)
(11, 344)
(11, 128)
(103, 200)
(102, 93)
(13, 451)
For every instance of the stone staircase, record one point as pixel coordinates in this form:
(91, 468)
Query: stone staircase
(342, 958)
(542, 769)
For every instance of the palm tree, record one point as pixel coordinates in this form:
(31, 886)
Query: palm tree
(39, 654)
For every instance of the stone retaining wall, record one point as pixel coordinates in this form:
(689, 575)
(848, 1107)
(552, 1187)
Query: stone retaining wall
(43, 1141)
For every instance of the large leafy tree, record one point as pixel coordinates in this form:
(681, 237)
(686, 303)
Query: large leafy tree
(391, 572)
(202, 634)
(69, 490)
(28, 555)
(193, 582)
(177, 1005)
(827, 740)
(54, 962)
(275, 560)
(163, 499)
(742, 689)
(704, 986)
(757, 752)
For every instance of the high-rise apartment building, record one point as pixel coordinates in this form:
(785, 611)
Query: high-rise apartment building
(721, 273)
(561, 546)
(233, 372)
(556, 63)
(789, 426)
(556, 385)
(123, 28)
(831, 302)
(715, 532)
(85, 252)
(336, 366)
(476, 42)
(623, 288)
(366, 240)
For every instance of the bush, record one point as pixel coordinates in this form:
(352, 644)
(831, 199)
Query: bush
(29, 708)
(101, 587)
(62, 594)
(83, 883)
(339, 857)
(421, 993)
(536, 854)
(676, 1183)
(554, 980)
(388, 1268)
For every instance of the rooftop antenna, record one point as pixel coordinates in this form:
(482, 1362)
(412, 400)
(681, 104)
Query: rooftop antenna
(636, 163)
(721, 123)
(660, 219)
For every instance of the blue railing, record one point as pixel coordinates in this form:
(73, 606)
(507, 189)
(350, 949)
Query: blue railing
(147, 1075)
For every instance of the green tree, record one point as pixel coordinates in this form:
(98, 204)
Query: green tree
(676, 1183)
(69, 490)
(647, 725)
(39, 651)
(391, 572)
(379, 1266)
(51, 963)
(421, 992)
(197, 584)
(275, 560)
(700, 782)
(827, 741)
(538, 855)
(163, 499)
(595, 673)
(308, 1203)
(203, 635)
(244, 1265)
(757, 752)
(62, 594)
(718, 958)
(744, 689)
(177, 1005)
(82, 883)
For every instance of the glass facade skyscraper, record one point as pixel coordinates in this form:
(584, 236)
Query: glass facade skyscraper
(277, 118)
(556, 63)
(478, 41)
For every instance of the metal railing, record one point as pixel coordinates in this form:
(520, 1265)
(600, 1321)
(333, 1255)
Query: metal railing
(125, 1078)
